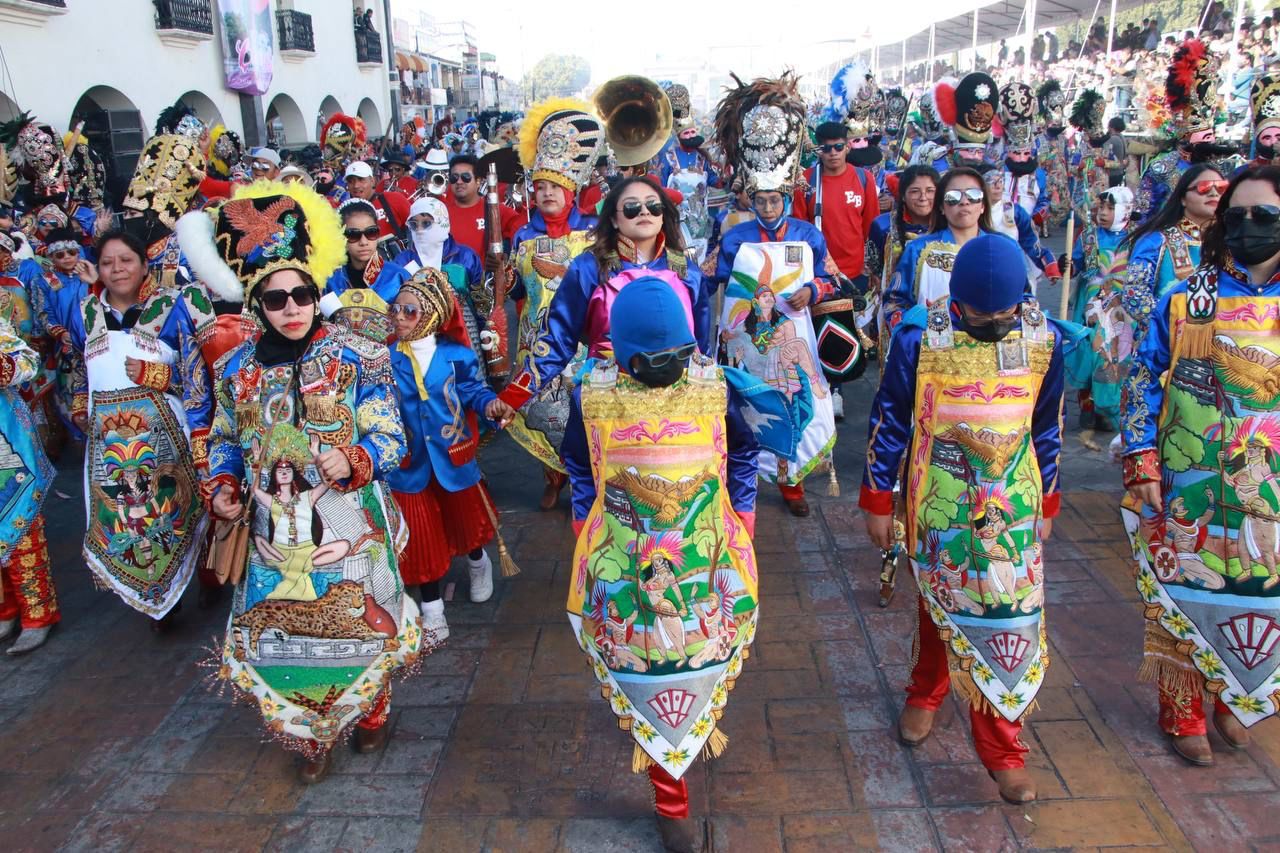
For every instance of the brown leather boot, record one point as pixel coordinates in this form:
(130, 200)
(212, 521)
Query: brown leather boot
(371, 740)
(915, 725)
(1015, 784)
(551, 494)
(799, 507)
(1231, 729)
(316, 769)
(683, 835)
(1194, 748)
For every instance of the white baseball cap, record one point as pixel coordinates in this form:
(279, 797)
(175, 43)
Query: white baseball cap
(358, 169)
(268, 155)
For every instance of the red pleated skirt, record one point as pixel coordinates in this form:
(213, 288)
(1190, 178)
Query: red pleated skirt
(442, 525)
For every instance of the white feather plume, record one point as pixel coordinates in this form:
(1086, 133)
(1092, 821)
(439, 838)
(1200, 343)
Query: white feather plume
(195, 236)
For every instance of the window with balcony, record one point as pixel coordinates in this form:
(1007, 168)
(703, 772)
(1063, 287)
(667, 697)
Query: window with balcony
(295, 31)
(187, 16)
(368, 46)
(31, 13)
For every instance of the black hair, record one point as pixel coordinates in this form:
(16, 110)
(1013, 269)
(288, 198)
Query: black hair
(909, 176)
(605, 244)
(466, 160)
(1116, 124)
(116, 235)
(937, 221)
(1174, 208)
(357, 205)
(830, 131)
(1213, 247)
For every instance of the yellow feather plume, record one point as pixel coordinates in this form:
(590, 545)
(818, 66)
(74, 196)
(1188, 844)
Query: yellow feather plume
(324, 226)
(537, 115)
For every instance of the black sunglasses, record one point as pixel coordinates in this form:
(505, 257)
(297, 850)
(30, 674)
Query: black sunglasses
(354, 234)
(973, 195)
(658, 360)
(832, 147)
(409, 311)
(461, 177)
(302, 296)
(631, 209)
(1263, 214)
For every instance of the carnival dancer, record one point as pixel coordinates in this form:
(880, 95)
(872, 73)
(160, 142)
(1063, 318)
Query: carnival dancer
(1201, 427)
(1191, 96)
(359, 292)
(38, 160)
(686, 167)
(890, 233)
(773, 269)
(53, 294)
(1165, 249)
(145, 404)
(1012, 221)
(663, 600)
(431, 245)
(439, 487)
(1100, 258)
(968, 109)
(342, 140)
(1051, 150)
(307, 426)
(1094, 163)
(1025, 183)
(972, 396)
(560, 141)
(28, 601)
(391, 208)
(1264, 101)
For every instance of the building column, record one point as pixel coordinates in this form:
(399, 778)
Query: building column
(254, 121)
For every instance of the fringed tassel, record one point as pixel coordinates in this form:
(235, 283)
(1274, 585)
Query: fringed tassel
(833, 484)
(715, 744)
(1197, 340)
(640, 759)
(509, 567)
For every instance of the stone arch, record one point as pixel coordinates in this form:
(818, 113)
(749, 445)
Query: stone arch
(368, 112)
(285, 123)
(328, 107)
(205, 108)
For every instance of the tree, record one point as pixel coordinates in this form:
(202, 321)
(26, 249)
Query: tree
(556, 76)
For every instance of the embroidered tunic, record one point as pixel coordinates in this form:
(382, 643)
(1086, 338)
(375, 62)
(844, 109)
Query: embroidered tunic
(980, 424)
(1103, 365)
(1156, 263)
(320, 620)
(1202, 419)
(25, 471)
(663, 599)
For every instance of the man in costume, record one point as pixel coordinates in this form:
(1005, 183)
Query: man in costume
(1201, 426)
(1264, 99)
(968, 108)
(560, 142)
(1025, 183)
(930, 144)
(342, 139)
(773, 269)
(1051, 149)
(664, 594)
(1191, 96)
(685, 167)
(971, 397)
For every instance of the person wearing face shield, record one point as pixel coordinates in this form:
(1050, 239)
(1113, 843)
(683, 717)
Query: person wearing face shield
(967, 378)
(1100, 258)
(1200, 423)
(671, 430)
(432, 246)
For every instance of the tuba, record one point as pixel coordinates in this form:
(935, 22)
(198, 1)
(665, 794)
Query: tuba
(637, 118)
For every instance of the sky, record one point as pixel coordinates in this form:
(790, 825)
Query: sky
(808, 34)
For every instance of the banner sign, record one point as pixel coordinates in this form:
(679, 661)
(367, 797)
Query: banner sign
(248, 49)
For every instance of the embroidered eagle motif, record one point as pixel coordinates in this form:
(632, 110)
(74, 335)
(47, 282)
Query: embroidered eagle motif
(263, 232)
(664, 498)
(1251, 368)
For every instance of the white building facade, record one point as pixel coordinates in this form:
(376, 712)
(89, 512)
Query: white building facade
(115, 64)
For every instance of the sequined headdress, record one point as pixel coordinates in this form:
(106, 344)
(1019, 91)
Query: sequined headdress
(1086, 113)
(968, 108)
(225, 151)
(857, 100)
(1189, 89)
(1052, 104)
(760, 128)
(341, 139)
(1265, 101)
(681, 106)
(182, 120)
(86, 172)
(560, 141)
(267, 227)
(36, 155)
(895, 109)
(165, 181)
(1017, 115)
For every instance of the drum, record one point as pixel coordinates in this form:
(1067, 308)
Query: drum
(839, 349)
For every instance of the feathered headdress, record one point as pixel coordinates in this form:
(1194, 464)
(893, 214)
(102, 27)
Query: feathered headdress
(667, 545)
(267, 227)
(760, 128)
(180, 119)
(225, 150)
(1189, 90)
(968, 108)
(560, 141)
(342, 137)
(1052, 104)
(36, 154)
(1086, 113)
(857, 100)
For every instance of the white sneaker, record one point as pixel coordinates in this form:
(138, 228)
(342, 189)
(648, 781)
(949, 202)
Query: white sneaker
(481, 577)
(433, 619)
(837, 403)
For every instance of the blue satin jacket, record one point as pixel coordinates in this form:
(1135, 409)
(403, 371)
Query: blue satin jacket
(1152, 274)
(686, 160)
(537, 227)
(454, 388)
(454, 253)
(893, 412)
(386, 285)
(795, 229)
(742, 464)
(1144, 398)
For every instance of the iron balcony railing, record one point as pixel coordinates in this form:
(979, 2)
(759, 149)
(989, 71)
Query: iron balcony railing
(368, 46)
(295, 30)
(193, 16)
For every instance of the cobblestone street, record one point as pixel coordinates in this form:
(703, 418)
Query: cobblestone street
(112, 739)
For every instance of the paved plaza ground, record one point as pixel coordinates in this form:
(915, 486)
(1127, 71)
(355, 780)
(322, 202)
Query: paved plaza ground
(112, 739)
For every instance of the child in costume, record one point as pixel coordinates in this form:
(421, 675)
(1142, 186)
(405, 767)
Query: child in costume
(438, 487)
(662, 467)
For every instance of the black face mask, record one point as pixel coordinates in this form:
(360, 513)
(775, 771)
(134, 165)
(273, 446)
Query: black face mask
(865, 157)
(691, 141)
(323, 187)
(991, 333)
(1020, 168)
(1265, 152)
(658, 377)
(1203, 152)
(1251, 242)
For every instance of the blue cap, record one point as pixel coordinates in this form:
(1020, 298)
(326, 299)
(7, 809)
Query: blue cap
(989, 274)
(647, 316)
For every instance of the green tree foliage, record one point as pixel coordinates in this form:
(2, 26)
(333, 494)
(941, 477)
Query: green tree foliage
(556, 76)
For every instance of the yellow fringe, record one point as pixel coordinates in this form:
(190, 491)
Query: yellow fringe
(640, 760)
(715, 745)
(1197, 340)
